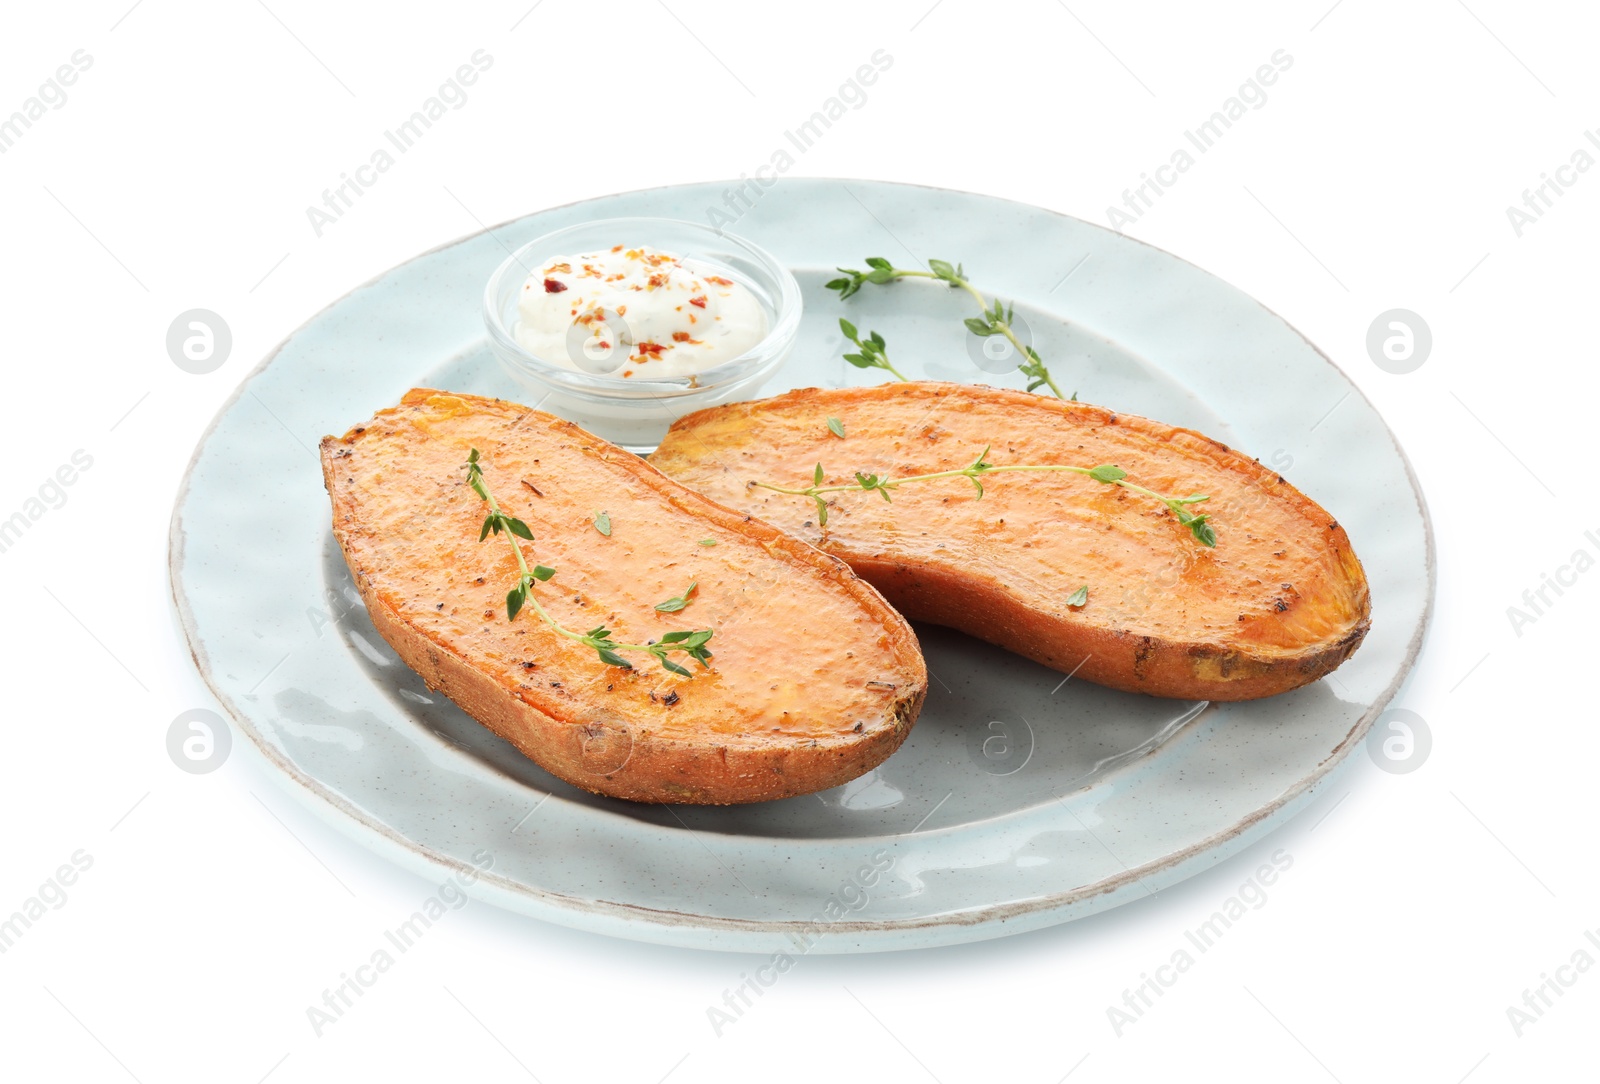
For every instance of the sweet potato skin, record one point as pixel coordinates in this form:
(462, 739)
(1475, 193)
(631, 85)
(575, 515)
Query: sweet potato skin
(408, 526)
(1280, 602)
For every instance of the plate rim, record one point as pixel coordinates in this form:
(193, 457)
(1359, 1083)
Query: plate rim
(418, 856)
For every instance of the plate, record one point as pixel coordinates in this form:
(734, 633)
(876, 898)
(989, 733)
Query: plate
(1021, 799)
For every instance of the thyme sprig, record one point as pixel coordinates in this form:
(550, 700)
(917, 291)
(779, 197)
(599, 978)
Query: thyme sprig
(692, 643)
(870, 352)
(996, 318)
(1107, 474)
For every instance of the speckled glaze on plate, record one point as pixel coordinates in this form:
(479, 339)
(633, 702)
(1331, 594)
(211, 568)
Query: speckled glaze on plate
(1019, 800)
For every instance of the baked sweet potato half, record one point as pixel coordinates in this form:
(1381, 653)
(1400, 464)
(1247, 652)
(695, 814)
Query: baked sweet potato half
(1279, 601)
(811, 678)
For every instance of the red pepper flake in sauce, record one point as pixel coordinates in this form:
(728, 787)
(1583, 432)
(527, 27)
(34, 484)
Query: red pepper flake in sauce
(651, 349)
(698, 302)
(683, 337)
(719, 280)
(658, 280)
(554, 286)
(559, 269)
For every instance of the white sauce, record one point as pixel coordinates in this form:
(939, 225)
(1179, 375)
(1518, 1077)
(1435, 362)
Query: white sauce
(637, 313)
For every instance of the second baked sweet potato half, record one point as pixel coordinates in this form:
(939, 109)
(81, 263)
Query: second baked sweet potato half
(1089, 576)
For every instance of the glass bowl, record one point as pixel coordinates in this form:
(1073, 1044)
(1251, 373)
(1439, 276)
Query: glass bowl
(629, 411)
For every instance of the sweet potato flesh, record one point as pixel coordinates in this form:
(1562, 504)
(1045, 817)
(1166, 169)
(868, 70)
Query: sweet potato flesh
(804, 654)
(1279, 601)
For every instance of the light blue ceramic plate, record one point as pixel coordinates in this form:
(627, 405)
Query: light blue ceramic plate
(1017, 802)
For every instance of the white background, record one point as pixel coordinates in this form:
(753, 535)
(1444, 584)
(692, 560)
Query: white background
(1419, 907)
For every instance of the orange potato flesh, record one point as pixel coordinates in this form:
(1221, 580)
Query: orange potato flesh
(813, 680)
(1279, 602)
